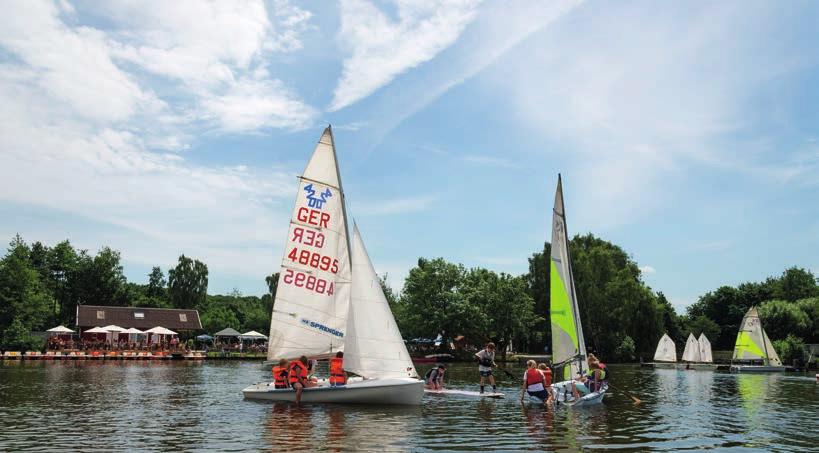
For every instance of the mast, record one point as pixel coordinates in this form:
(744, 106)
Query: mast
(343, 203)
(767, 359)
(581, 341)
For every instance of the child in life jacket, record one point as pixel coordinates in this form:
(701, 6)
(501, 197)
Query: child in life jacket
(280, 374)
(534, 383)
(337, 374)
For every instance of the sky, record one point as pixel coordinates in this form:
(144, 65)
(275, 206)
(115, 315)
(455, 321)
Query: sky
(685, 133)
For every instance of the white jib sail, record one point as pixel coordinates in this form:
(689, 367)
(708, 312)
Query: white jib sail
(705, 349)
(310, 310)
(666, 350)
(692, 349)
(374, 347)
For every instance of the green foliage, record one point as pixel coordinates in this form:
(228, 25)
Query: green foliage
(796, 283)
(17, 337)
(625, 350)
(242, 313)
(537, 285)
(156, 284)
(188, 283)
(782, 318)
(24, 303)
(791, 349)
(215, 317)
(810, 307)
(698, 325)
(673, 323)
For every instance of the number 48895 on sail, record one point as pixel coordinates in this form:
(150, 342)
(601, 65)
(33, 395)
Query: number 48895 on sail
(309, 282)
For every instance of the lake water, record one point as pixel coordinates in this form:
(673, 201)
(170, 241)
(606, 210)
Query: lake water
(118, 406)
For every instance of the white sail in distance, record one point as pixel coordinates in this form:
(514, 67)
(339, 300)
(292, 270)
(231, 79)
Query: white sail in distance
(705, 349)
(374, 346)
(692, 349)
(568, 343)
(666, 350)
(312, 298)
(752, 341)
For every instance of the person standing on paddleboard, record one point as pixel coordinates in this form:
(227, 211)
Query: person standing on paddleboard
(486, 360)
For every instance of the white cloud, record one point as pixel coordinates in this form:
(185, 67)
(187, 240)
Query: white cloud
(393, 207)
(383, 48)
(647, 269)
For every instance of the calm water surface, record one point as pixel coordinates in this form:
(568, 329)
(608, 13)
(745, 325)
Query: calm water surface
(107, 406)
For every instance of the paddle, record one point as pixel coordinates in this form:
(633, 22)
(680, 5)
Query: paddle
(636, 400)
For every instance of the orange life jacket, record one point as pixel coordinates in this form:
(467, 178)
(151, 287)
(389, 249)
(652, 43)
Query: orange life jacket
(547, 376)
(337, 376)
(533, 376)
(280, 375)
(297, 371)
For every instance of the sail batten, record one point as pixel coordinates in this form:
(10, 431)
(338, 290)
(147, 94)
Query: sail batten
(313, 292)
(568, 344)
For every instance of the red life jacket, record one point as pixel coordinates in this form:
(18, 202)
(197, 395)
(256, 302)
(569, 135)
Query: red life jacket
(547, 376)
(337, 376)
(280, 375)
(533, 377)
(297, 372)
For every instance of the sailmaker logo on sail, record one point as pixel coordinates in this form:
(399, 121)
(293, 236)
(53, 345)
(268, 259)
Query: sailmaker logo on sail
(322, 327)
(316, 202)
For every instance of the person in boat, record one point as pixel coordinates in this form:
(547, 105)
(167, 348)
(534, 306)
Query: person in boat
(434, 378)
(534, 383)
(297, 376)
(337, 374)
(312, 366)
(280, 374)
(589, 382)
(486, 361)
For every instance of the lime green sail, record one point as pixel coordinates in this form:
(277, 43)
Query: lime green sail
(752, 341)
(567, 334)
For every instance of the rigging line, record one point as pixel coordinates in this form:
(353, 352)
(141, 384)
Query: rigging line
(312, 309)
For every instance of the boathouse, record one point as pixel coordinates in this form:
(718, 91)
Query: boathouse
(89, 316)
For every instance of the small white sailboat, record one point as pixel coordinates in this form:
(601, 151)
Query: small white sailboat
(753, 351)
(706, 356)
(568, 344)
(666, 354)
(329, 299)
(693, 355)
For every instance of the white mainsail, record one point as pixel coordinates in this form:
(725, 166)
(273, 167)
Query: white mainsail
(752, 341)
(568, 344)
(666, 350)
(692, 349)
(374, 346)
(705, 349)
(310, 310)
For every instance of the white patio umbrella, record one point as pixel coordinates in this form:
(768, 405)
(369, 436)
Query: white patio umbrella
(252, 335)
(96, 330)
(59, 329)
(113, 330)
(158, 330)
(132, 333)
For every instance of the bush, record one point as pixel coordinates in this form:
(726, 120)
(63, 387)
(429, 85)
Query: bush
(17, 338)
(790, 349)
(624, 352)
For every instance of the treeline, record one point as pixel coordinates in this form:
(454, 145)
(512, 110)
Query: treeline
(41, 286)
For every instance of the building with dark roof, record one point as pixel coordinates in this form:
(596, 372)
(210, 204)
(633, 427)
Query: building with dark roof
(141, 318)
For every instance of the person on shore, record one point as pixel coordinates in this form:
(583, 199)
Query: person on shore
(534, 383)
(434, 378)
(280, 375)
(486, 361)
(297, 376)
(337, 374)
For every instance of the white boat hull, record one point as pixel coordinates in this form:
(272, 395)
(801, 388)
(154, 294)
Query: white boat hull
(659, 364)
(563, 395)
(398, 391)
(756, 369)
(697, 366)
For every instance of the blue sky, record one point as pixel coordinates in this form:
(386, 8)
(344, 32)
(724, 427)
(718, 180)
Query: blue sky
(686, 133)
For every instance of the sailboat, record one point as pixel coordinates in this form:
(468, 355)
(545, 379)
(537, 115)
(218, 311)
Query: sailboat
(666, 354)
(329, 299)
(693, 354)
(753, 348)
(568, 344)
(705, 349)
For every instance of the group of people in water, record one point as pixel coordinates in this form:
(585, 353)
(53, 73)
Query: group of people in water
(537, 379)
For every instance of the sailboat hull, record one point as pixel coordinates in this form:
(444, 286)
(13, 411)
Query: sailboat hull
(563, 395)
(697, 366)
(756, 369)
(659, 364)
(398, 391)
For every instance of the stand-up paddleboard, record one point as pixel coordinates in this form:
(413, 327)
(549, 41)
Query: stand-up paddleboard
(465, 393)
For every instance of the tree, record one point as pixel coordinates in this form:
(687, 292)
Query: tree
(156, 284)
(810, 307)
(701, 324)
(796, 283)
(537, 284)
(25, 304)
(268, 299)
(216, 317)
(188, 283)
(782, 318)
(672, 324)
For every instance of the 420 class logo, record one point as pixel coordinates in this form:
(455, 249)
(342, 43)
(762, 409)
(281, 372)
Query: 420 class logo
(316, 202)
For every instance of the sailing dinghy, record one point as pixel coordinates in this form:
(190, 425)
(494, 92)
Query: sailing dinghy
(753, 349)
(693, 355)
(666, 354)
(568, 345)
(329, 299)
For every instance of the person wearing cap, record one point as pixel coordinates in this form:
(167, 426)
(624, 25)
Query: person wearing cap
(486, 361)
(434, 378)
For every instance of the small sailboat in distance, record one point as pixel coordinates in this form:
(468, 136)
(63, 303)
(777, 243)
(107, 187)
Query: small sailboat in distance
(753, 351)
(693, 355)
(329, 299)
(666, 354)
(706, 356)
(568, 344)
